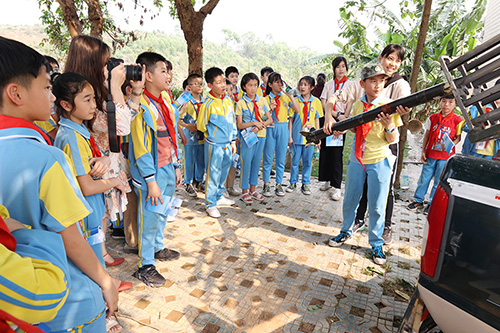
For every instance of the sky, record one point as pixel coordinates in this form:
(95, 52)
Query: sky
(310, 23)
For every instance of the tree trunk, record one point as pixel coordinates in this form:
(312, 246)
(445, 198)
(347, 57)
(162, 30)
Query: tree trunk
(192, 27)
(71, 17)
(417, 61)
(95, 18)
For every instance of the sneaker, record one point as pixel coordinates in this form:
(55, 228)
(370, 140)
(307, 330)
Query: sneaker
(150, 276)
(291, 188)
(213, 212)
(167, 255)
(256, 196)
(415, 205)
(387, 236)
(279, 190)
(306, 189)
(273, 173)
(225, 202)
(237, 173)
(339, 239)
(325, 187)
(336, 194)
(190, 190)
(378, 255)
(426, 210)
(118, 233)
(266, 191)
(359, 225)
(232, 191)
(200, 186)
(170, 218)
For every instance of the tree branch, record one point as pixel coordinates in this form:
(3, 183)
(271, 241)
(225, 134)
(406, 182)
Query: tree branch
(95, 18)
(71, 18)
(209, 7)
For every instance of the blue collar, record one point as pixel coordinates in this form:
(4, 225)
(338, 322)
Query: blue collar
(272, 95)
(375, 102)
(248, 99)
(80, 129)
(301, 99)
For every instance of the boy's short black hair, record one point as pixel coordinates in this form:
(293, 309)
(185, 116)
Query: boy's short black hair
(52, 60)
(193, 76)
(265, 70)
(309, 79)
(212, 73)
(337, 61)
(150, 59)
(184, 84)
(449, 96)
(169, 65)
(391, 48)
(246, 78)
(19, 63)
(231, 69)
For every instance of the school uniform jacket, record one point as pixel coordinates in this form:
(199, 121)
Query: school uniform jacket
(216, 119)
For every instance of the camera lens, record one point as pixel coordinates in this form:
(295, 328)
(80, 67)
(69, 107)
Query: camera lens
(133, 73)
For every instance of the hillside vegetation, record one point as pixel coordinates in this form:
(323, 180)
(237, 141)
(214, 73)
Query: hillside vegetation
(246, 52)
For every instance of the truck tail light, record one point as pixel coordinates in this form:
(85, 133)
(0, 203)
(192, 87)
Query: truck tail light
(434, 231)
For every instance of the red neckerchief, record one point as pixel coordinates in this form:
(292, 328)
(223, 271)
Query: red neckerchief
(278, 106)
(166, 114)
(235, 97)
(169, 92)
(337, 86)
(434, 135)
(305, 110)
(221, 96)
(26, 327)
(6, 238)
(263, 90)
(96, 152)
(11, 122)
(361, 133)
(197, 107)
(256, 110)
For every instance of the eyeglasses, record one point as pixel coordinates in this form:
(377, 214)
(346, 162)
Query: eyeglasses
(197, 84)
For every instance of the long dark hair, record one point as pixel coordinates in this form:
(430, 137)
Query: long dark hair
(273, 77)
(87, 56)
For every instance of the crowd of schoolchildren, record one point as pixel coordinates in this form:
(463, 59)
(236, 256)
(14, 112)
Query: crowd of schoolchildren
(61, 184)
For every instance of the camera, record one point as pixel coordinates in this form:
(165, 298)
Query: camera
(133, 73)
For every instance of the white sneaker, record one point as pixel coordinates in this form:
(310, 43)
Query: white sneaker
(336, 194)
(170, 218)
(326, 186)
(225, 202)
(213, 212)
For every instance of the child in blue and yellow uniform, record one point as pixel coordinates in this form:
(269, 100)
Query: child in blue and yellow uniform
(264, 75)
(50, 198)
(282, 106)
(311, 111)
(194, 162)
(216, 121)
(75, 103)
(154, 166)
(252, 113)
(369, 160)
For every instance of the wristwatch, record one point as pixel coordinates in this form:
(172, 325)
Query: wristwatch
(390, 130)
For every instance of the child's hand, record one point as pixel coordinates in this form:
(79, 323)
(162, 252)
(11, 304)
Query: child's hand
(154, 193)
(178, 177)
(110, 294)
(183, 138)
(100, 165)
(424, 158)
(255, 129)
(290, 142)
(402, 110)
(385, 119)
(341, 117)
(318, 145)
(327, 127)
(233, 148)
(119, 185)
(273, 104)
(338, 133)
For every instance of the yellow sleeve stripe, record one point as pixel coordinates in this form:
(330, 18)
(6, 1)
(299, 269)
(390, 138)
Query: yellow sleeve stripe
(59, 197)
(4, 213)
(141, 136)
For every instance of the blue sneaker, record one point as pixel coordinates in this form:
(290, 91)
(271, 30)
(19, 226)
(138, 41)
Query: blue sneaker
(339, 239)
(378, 255)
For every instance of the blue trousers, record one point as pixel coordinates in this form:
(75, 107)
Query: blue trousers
(96, 201)
(218, 159)
(432, 169)
(299, 151)
(250, 162)
(378, 177)
(150, 225)
(194, 163)
(276, 141)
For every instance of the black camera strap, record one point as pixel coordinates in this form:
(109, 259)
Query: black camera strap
(111, 111)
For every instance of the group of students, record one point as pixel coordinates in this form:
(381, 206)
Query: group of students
(67, 187)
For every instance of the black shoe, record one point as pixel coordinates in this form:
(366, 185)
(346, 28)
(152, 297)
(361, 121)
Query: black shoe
(359, 225)
(426, 210)
(150, 276)
(200, 186)
(167, 255)
(118, 233)
(387, 236)
(273, 173)
(415, 205)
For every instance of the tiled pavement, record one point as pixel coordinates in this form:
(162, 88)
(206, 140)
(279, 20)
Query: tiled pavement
(266, 268)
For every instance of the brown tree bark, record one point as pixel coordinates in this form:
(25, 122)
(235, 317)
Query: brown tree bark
(192, 27)
(95, 18)
(71, 17)
(417, 61)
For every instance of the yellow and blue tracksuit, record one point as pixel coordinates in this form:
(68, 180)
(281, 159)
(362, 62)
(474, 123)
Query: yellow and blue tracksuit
(314, 111)
(39, 188)
(34, 276)
(73, 139)
(491, 147)
(251, 157)
(194, 161)
(143, 156)
(216, 121)
(277, 138)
